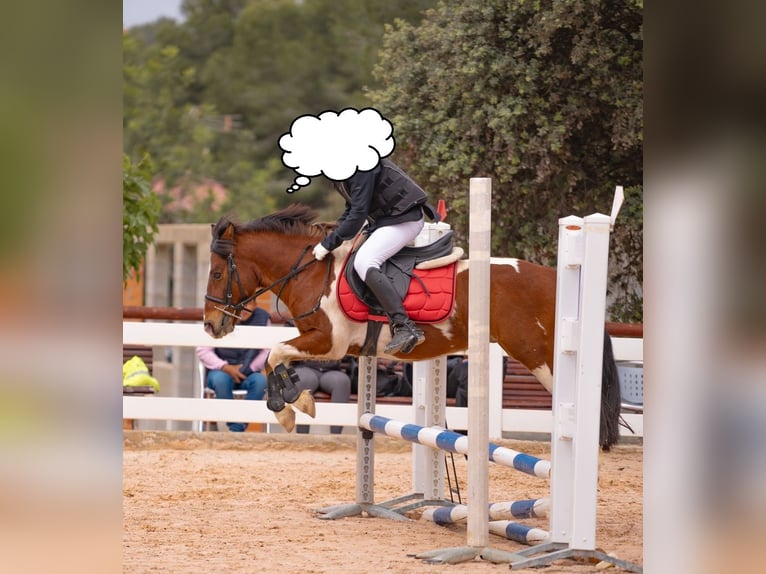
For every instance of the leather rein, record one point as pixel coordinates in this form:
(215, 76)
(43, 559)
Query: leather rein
(225, 248)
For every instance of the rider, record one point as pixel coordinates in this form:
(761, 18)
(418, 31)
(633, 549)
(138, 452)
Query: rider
(394, 206)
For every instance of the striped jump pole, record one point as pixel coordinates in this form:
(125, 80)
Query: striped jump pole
(532, 508)
(500, 515)
(451, 441)
(518, 532)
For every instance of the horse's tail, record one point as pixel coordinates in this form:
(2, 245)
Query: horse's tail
(609, 432)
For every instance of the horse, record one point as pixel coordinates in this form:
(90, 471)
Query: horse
(274, 253)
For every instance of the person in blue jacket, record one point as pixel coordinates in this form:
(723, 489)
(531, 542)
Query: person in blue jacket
(237, 368)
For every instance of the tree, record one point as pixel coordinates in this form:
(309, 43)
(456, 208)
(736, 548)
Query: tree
(140, 213)
(543, 96)
(258, 65)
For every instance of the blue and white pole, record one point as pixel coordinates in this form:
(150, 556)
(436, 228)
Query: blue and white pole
(451, 441)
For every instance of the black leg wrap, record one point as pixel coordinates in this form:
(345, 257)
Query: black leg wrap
(274, 402)
(288, 377)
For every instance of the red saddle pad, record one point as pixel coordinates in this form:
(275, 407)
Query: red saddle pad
(430, 297)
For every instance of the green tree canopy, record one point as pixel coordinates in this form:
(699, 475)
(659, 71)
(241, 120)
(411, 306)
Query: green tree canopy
(208, 98)
(544, 97)
(140, 213)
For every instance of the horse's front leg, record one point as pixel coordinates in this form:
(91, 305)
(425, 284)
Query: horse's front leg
(283, 393)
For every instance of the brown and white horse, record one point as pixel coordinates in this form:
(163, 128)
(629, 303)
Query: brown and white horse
(273, 253)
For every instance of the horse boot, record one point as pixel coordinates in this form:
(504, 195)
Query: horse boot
(275, 402)
(405, 334)
(302, 400)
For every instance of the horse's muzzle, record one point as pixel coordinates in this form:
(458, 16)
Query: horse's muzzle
(218, 330)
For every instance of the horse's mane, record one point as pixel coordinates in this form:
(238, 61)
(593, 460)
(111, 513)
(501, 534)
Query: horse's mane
(295, 219)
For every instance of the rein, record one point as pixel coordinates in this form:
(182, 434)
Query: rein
(225, 248)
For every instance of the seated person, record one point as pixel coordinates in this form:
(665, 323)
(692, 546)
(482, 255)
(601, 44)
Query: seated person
(457, 379)
(229, 369)
(326, 376)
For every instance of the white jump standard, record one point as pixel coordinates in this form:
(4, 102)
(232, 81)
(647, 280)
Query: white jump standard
(579, 328)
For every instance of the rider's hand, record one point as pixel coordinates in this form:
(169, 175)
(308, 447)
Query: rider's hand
(320, 252)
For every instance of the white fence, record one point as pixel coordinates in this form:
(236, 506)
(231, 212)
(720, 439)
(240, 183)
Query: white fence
(195, 408)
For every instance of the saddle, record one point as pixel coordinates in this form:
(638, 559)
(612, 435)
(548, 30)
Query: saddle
(424, 277)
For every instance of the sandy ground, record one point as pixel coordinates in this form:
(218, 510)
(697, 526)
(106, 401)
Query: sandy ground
(245, 503)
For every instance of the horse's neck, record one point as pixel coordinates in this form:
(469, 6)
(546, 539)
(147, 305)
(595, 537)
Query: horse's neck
(279, 259)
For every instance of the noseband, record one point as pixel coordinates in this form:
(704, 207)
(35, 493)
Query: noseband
(225, 248)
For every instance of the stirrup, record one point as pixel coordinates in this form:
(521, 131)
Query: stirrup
(414, 337)
(414, 341)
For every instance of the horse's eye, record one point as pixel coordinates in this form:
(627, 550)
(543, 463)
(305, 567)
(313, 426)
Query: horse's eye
(217, 275)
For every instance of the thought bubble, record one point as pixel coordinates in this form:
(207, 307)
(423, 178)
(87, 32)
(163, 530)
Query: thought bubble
(336, 145)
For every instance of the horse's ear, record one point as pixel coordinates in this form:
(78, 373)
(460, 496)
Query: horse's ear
(228, 232)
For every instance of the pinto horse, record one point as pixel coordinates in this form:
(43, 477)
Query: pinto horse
(274, 253)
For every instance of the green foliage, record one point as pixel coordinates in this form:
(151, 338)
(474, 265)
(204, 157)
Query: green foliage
(259, 63)
(544, 97)
(626, 264)
(140, 213)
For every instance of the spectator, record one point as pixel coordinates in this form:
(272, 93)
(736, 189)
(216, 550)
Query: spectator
(325, 376)
(229, 369)
(457, 379)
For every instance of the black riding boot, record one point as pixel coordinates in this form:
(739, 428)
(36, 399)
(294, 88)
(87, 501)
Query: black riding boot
(406, 335)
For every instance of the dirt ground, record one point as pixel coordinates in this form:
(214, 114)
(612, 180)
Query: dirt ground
(245, 502)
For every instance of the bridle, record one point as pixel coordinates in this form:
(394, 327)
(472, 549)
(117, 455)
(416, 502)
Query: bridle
(225, 248)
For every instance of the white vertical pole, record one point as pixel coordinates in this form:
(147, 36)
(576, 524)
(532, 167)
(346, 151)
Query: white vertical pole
(589, 363)
(479, 239)
(496, 376)
(578, 349)
(365, 447)
(570, 256)
(429, 402)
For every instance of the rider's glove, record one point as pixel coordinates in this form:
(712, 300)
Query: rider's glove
(320, 252)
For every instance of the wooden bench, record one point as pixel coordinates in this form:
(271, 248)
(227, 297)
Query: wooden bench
(521, 390)
(147, 355)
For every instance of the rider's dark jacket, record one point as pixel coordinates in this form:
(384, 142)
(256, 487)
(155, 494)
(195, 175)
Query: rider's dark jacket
(382, 196)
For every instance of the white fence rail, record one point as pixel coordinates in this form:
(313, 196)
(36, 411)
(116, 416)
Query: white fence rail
(197, 409)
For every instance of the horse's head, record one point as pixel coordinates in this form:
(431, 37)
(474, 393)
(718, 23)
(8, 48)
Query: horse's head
(227, 293)
(270, 249)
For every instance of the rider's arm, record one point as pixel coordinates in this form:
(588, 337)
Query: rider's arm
(361, 187)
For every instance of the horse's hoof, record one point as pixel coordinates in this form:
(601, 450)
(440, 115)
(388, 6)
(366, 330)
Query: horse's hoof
(286, 417)
(305, 404)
